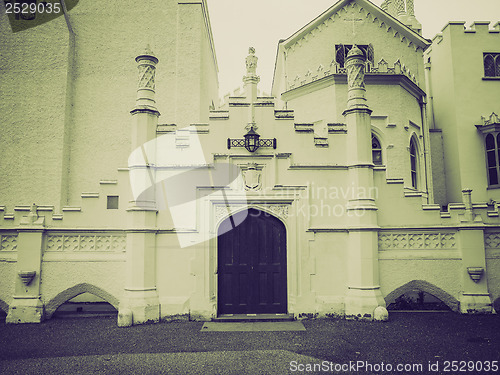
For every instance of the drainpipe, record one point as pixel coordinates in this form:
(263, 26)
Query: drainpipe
(427, 157)
(68, 116)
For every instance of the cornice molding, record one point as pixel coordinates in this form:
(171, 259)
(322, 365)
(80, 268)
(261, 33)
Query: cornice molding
(341, 79)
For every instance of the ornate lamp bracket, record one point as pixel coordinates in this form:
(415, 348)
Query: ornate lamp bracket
(251, 141)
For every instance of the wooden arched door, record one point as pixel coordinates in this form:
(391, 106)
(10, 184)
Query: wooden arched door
(252, 264)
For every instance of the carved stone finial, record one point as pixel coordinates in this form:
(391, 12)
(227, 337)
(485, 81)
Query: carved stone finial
(146, 66)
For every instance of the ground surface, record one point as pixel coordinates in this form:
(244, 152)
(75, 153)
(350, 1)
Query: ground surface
(97, 345)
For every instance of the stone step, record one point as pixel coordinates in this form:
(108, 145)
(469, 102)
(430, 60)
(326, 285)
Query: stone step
(253, 317)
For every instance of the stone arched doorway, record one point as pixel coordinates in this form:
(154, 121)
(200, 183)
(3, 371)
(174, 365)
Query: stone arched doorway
(252, 264)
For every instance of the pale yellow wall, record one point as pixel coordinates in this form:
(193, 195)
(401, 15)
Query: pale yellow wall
(460, 98)
(438, 169)
(60, 141)
(33, 89)
(442, 273)
(7, 280)
(60, 275)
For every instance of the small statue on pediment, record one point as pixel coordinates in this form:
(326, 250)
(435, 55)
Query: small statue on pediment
(251, 61)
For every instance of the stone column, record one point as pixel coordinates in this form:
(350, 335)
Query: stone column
(475, 297)
(363, 294)
(140, 302)
(27, 306)
(251, 80)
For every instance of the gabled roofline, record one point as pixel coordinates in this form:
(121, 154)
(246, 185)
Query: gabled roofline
(373, 9)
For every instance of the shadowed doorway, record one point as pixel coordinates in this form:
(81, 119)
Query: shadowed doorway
(252, 264)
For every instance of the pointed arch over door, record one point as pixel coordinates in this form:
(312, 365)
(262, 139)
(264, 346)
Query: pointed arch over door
(252, 267)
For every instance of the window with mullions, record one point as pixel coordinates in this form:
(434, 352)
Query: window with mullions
(493, 157)
(413, 164)
(491, 64)
(376, 151)
(341, 51)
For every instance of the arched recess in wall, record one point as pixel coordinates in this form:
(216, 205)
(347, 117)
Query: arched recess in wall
(4, 307)
(74, 291)
(496, 305)
(424, 286)
(415, 165)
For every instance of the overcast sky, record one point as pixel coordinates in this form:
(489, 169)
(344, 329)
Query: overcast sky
(239, 24)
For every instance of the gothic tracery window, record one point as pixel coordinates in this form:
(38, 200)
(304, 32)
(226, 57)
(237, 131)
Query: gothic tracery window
(491, 64)
(376, 151)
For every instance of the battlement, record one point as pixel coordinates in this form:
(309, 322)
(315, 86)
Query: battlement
(239, 93)
(477, 27)
(264, 101)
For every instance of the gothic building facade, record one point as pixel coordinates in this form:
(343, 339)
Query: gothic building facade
(371, 171)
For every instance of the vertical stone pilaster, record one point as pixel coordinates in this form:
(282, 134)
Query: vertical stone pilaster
(475, 297)
(363, 294)
(140, 303)
(27, 306)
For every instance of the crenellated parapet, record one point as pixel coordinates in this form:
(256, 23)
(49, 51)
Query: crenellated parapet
(480, 28)
(239, 93)
(381, 68)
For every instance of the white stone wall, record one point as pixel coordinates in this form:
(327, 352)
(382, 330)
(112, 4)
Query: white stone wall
(62, 116)
(460, 98)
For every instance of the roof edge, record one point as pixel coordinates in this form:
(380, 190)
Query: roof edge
(414, 36)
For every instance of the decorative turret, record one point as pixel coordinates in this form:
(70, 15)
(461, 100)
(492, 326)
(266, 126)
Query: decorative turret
(355, 64)
(404, 11)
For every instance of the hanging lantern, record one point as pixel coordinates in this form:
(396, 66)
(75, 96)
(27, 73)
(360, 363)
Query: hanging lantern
(252, 140)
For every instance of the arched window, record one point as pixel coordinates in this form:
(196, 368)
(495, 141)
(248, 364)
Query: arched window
(492, 157)
(376, 151)
(413, 163)
(491, 64)
(341, 51)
